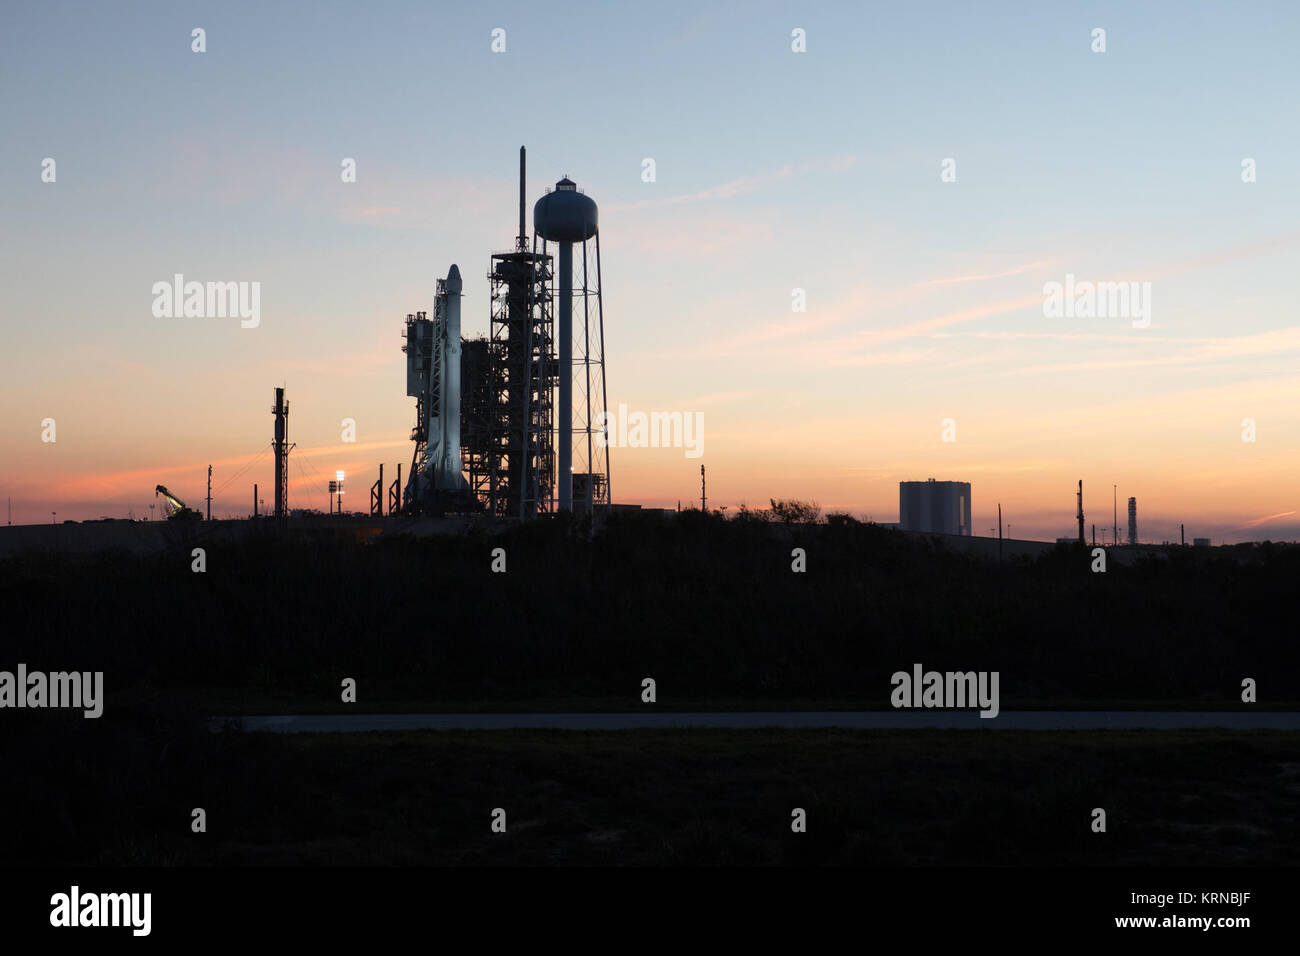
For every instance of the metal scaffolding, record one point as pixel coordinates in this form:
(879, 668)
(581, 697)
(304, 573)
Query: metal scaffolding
(521, 384)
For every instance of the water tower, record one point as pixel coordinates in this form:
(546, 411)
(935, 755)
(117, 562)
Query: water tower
(567, 218)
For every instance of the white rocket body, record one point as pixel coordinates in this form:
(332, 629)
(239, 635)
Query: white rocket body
(444, 420)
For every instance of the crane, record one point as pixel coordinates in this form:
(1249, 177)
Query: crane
(177, 510)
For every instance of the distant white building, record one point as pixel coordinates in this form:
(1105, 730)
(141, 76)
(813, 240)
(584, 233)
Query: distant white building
(934, 507)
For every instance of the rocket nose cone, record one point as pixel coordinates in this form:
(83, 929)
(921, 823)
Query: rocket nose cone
(453, 280)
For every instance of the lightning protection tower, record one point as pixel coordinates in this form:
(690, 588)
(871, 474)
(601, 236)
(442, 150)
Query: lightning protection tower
(281, 412)
(521, 378)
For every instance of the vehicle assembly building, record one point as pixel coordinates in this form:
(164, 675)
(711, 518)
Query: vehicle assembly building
(498, 428)
(934, 507)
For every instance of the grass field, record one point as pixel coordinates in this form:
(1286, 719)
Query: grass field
(711, 609)
(659, 798)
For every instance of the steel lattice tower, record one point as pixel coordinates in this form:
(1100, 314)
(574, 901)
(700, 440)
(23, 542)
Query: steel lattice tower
(281, 412)
(521, 378)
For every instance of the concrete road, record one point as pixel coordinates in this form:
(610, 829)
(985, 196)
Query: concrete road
(849, 720)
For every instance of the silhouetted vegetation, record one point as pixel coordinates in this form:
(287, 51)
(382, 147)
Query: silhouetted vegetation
(120, 792)
(708, 607)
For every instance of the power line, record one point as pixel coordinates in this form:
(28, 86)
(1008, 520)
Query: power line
(313, 482)
(226, 484)
(321, 480)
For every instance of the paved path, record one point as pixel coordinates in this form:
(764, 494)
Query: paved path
(850, 720)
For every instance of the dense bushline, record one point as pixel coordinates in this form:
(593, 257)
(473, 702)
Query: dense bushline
(706, 606)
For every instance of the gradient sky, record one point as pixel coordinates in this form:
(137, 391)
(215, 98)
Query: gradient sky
(775, 170)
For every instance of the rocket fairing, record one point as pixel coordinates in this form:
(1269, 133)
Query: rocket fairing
(433, 355)
(448, 474)
(444, 411)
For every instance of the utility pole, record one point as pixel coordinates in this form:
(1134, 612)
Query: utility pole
(999, 531)
(1182, 536)
(1081, 541)
(704, 501)
(1114, 527)
(209, 492)
(254, 499)
(1094, 536)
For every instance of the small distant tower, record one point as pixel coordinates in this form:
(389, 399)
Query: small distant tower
(282, 446)
(1080, 515)
(1132, 521)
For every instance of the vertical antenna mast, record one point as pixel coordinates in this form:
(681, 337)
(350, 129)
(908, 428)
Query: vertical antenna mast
(282, 446)
(522, 242)
(1081, 540)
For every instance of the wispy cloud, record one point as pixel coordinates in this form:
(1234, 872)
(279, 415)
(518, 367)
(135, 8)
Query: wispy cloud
(1015, 271)
(1267, 518)
(371, 215)
(717, 398)
(1223, 257)
(742, 185)
(861, 303)
(106, 484)
(875, 337)
(729, 236)
(1213, 350)
(1198, 351)
(905, 357)
(403, 441)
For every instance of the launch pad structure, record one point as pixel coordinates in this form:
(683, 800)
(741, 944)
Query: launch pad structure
(497, 426)
(522, 376)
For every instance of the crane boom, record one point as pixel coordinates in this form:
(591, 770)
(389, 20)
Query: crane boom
(175, 507)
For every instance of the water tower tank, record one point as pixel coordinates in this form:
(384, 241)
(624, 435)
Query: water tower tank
(565, 215)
